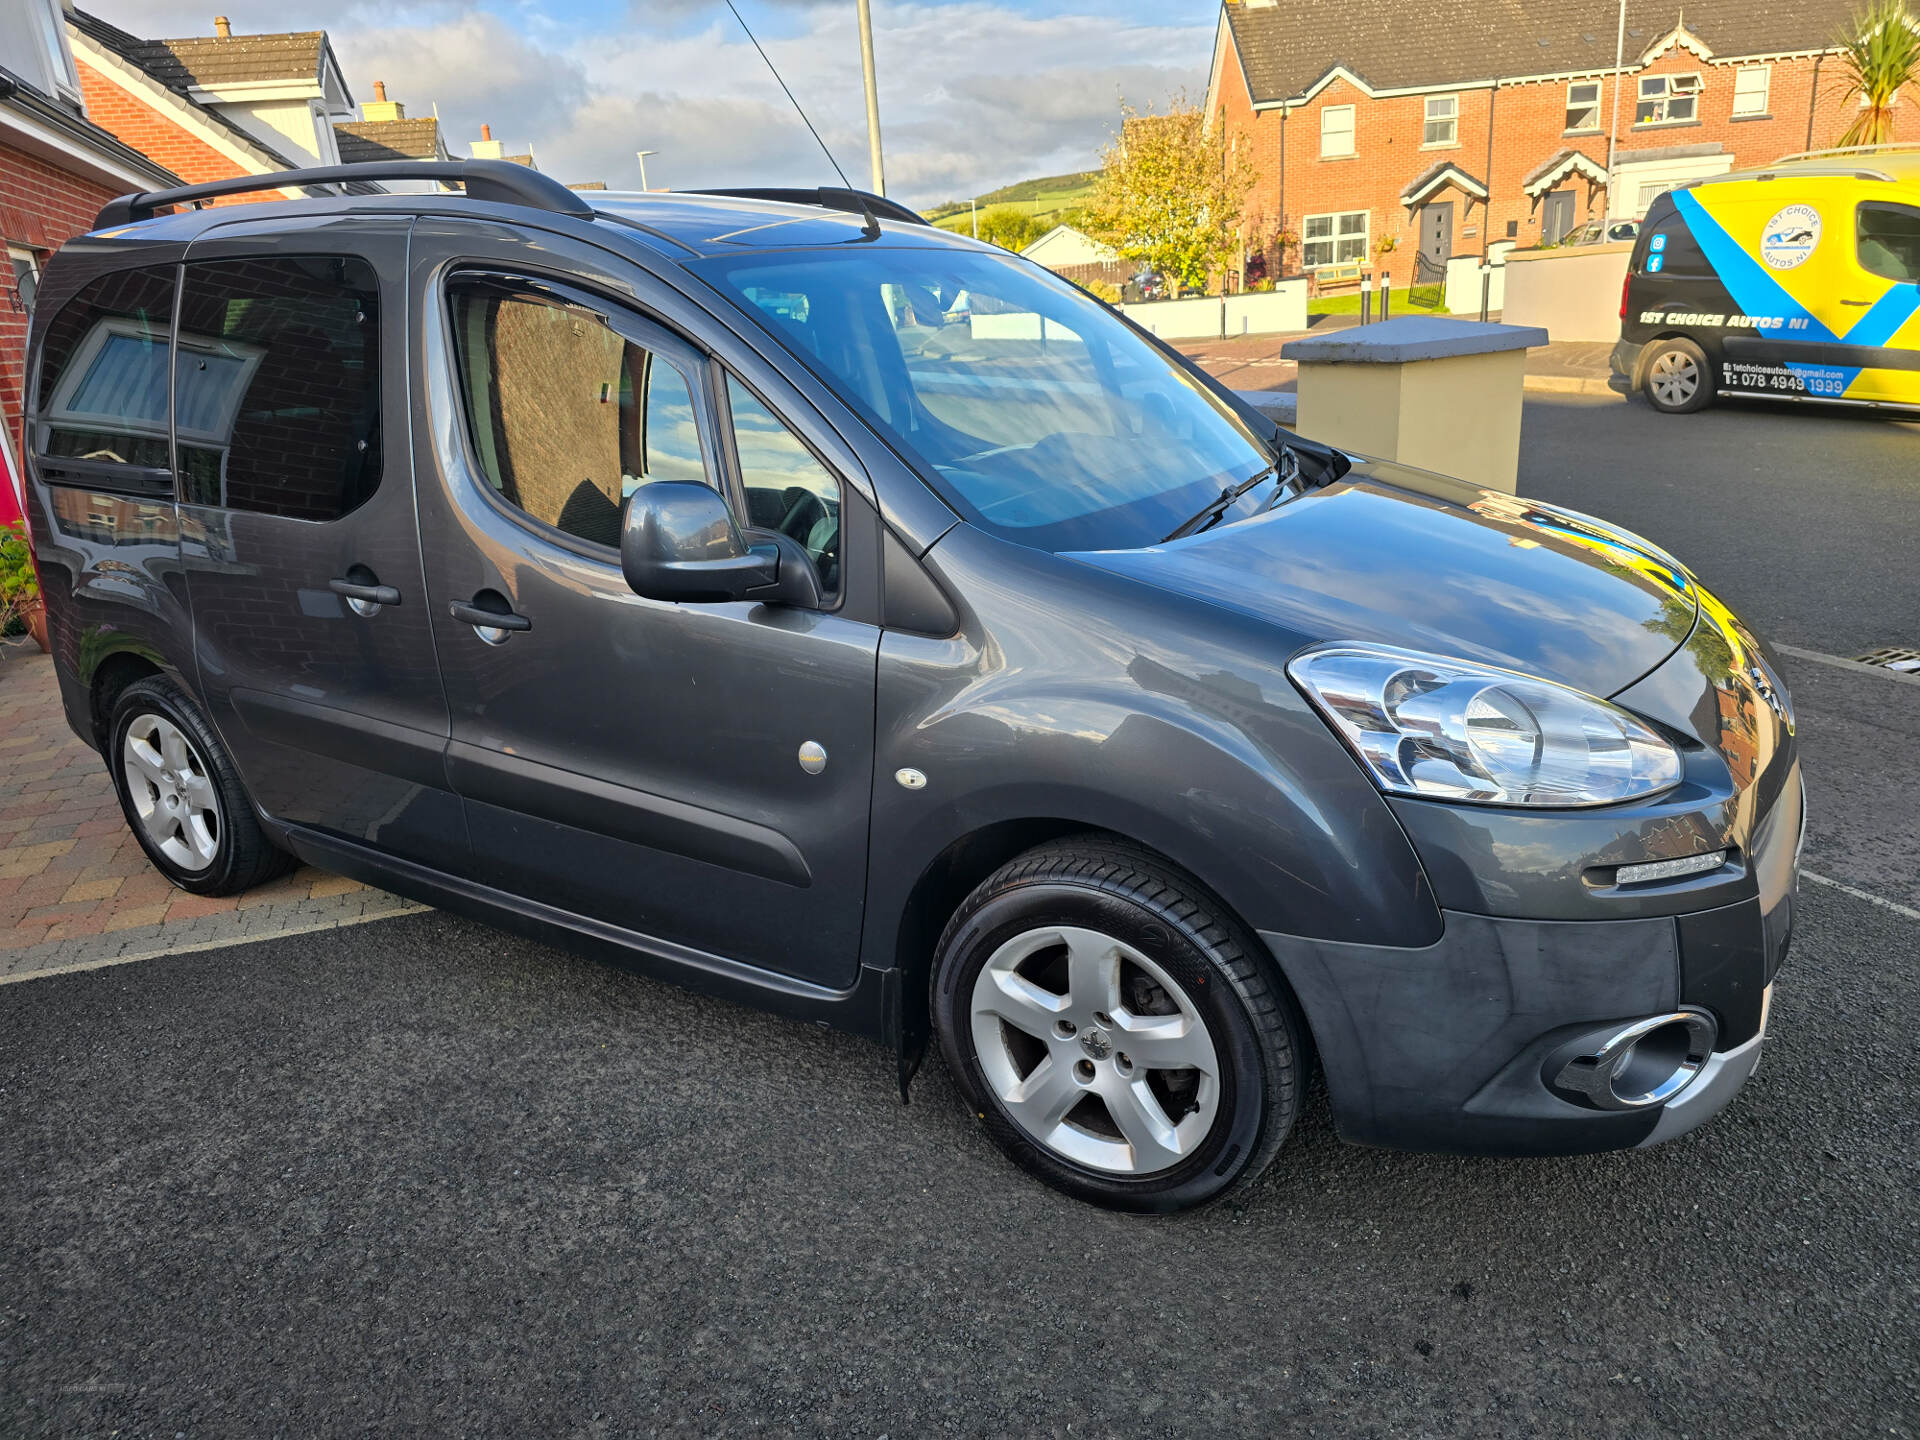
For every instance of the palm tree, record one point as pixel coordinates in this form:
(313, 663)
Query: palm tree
(1880, 56)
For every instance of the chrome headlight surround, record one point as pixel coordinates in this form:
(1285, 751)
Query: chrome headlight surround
(1443, 729)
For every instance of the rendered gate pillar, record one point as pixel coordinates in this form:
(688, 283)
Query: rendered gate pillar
(1423, 390)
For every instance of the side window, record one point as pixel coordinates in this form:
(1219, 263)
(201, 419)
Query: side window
(102, 395)
(568, 418)
(1889, 240)
(1669, 248)
(787, 489)
(277, 386)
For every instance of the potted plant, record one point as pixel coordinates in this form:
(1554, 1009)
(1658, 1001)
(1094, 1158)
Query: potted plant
(20, 586)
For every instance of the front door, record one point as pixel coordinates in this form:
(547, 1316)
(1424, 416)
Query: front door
(1556, 217)
(697, 775)
(1436, 237)
(298, 536)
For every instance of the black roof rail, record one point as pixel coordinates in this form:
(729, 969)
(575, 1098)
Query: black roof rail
(831, 197)
(496, 180)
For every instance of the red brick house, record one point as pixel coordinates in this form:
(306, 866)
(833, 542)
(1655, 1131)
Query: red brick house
(1450, 129)
(216, 107)
(57, 169)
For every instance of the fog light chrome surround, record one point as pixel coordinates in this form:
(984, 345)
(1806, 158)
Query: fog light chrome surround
(1636, 1066)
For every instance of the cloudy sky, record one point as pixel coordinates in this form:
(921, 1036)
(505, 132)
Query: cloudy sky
(973, 93)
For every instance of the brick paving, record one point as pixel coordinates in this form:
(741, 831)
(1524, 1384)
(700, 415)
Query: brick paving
(76, 890)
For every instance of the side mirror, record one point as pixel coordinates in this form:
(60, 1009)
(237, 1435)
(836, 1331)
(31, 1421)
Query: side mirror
(678, 542)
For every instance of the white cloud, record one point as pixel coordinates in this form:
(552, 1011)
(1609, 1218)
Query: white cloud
(972, 94)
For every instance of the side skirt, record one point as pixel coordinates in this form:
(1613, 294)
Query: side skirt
(870, 1007)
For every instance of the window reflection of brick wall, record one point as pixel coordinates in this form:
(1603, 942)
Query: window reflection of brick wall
(270, 591)
(557, 407)
(305, 441)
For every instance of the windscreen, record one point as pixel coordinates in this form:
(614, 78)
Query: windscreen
(1029, 405)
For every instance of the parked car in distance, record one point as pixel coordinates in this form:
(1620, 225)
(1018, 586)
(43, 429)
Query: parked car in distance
(1603, 232)
(1799, 281)
(674, 577)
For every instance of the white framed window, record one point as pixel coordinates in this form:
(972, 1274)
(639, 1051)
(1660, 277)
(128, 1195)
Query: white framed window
(1668, 100)
(1443, 122)
(1650, 192)
(25, 265)
(52, 19)
(1336, 131)
(1750, 84)
(1583, 107)
(1335, 239)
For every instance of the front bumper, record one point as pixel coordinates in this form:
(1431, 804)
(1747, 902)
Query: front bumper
(1450, 1047)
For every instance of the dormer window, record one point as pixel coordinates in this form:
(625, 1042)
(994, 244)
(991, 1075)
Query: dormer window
(62, 78)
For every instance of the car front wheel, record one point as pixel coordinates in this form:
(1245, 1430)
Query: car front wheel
(1678, 378)
(1109, 1023)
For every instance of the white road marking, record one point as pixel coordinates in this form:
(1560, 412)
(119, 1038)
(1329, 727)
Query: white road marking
(1845, 889)
(158, 952)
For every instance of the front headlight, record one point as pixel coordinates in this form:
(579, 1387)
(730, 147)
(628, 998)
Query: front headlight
(1450, 730)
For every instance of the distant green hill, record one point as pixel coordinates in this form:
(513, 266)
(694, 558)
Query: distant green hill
(1043, 199)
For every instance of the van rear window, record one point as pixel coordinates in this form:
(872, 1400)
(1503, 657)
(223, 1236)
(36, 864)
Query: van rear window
(102, 396)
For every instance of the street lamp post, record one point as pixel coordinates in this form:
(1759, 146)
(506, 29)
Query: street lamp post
(1613, 124)
(873, 97)
(642, 155)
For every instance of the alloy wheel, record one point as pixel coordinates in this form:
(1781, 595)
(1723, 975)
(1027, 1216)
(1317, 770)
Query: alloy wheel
(1675, 377)
(172, 792)
(1095, 1051)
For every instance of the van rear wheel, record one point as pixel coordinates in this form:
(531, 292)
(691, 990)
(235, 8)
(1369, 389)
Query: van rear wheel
(182, 797)
(1678, 378)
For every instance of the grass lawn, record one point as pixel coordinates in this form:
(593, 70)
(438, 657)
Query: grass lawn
(1429, 298)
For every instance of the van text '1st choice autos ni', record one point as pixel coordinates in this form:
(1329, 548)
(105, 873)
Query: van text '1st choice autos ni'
(774, 593)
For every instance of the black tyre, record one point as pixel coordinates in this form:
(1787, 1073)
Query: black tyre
(1108, 1022)
(1678, 378)
(181, 795)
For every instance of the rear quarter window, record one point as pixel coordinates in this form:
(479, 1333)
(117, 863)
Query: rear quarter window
(1666, 247)
(102, 391)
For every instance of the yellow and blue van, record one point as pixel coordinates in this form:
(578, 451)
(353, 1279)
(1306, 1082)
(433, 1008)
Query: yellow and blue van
(1800, 281)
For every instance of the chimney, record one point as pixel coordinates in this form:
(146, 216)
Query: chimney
(381, 108)
(222, 28)
(486, 147)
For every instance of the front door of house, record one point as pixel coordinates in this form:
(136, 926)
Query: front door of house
(1556, 217)
(1436, 236)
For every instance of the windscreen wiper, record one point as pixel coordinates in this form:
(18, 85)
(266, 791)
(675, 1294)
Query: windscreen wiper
(1286, 468)
(1217, 507)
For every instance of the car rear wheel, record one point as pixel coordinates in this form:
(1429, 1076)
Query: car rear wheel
(182, 796)
(1678, 379)
(1108, 1022)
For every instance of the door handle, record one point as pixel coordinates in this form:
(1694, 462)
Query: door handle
(492, 626)
(364, 599)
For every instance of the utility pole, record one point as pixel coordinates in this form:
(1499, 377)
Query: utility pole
(974, 211)
(642, 154)
(1613, 125)
(873, 96)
